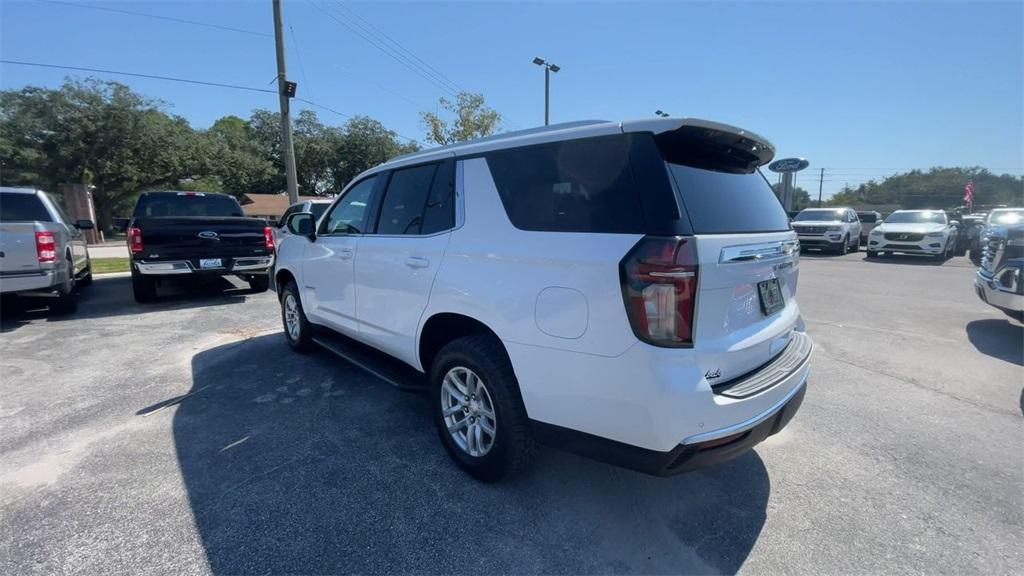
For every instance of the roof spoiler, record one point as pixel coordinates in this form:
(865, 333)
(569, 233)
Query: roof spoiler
(706, 144)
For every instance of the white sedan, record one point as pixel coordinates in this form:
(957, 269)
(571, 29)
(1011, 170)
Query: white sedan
(926, 232)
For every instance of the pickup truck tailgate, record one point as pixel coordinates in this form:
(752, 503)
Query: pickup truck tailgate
(18, 248)
(196, 237)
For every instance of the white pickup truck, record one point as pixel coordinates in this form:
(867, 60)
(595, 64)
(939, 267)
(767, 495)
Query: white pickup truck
(42, 252)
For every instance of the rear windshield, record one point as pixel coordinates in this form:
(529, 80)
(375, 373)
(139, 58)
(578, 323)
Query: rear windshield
(868, 218)
(820, 215)
(724, 203)
(570, 186)
(16, 207)
(916, 218)
(185, 205)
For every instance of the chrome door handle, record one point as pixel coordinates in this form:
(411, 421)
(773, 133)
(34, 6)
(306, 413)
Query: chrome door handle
(417, 262)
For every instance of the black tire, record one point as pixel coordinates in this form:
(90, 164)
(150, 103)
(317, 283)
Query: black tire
(259, 283)
(302, 342)
(872, 254)
(1015, 314)
(67, 299)
(844, 246)
(86, 278)
(143, 288)
(856, 245)
(512, 445)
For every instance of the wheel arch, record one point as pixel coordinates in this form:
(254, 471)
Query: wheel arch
(282, 277)
(444, 327)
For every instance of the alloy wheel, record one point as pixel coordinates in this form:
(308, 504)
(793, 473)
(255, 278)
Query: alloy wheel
(291, 316)
(468, 411)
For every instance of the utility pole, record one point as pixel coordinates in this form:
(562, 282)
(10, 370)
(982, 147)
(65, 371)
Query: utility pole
(287, 146)
(821, 182)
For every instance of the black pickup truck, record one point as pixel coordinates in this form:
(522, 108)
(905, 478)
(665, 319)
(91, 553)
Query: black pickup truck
(196, 234)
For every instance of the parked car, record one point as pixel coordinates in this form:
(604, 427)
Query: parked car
(868, 220)
(622, 290)
(922, 232)
(833, 229)
(196, 234)
(314, 207)
(42, 251)
(1000, 278)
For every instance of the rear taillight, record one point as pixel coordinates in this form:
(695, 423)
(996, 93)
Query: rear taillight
(268, 238)
(135, 239)
(659, 285)
(46, 247)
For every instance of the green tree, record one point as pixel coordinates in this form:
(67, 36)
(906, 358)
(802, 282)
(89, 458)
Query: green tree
(98, 133)
(473, 119)
(364, 143)
(240, 162)
(939, 187)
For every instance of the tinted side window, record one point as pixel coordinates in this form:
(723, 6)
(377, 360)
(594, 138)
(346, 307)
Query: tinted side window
(439, 214)
(16, 207)
(402, 209)
(350, 214)
(572, 186)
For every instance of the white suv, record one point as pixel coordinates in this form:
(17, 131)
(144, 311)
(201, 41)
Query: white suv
(926, 232)
(835, 229)
(621, 290)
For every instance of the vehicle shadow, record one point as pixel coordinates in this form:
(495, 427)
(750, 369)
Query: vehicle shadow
(910, 260)
(305, 464)
(112, 296)
(998, 338)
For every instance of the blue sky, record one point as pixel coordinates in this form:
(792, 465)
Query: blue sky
(861, 89)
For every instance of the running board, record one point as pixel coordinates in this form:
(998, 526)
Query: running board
(388, 369)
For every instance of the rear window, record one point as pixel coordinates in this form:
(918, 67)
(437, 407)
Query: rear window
(186, 205)
(16, 207)
(725, 203)
(570, 186)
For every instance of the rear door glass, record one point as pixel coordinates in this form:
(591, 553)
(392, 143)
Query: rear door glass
(570, 186)
(728, 203)
(15, 207)
(406, 196)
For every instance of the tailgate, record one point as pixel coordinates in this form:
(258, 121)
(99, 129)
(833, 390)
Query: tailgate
(735, 329)
(18, 248)
(196, 237)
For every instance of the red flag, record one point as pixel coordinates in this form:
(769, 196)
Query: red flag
(969, 192)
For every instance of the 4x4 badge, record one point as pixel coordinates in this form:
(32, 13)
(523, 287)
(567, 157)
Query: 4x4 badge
(711, 375)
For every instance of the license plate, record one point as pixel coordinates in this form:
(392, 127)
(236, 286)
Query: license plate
(771, 296)
(215, 263)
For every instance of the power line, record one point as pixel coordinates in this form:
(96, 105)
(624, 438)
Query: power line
(185, 80)
(138, 75)
(298, 56)
(156, 17)
(412, 55)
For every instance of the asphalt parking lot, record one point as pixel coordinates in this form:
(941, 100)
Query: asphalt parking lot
(185, 437)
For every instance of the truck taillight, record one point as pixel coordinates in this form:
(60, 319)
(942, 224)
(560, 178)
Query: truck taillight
(135, 239)
(46, 247)
(268, 238)
(659, 286)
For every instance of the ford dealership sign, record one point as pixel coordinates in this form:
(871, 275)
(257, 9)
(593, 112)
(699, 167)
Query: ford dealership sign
(789, 165)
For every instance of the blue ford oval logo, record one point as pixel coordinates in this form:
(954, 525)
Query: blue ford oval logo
(789, 165)
(208, 234)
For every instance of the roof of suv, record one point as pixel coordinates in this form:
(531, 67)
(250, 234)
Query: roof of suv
(565, 131)
(18, 190)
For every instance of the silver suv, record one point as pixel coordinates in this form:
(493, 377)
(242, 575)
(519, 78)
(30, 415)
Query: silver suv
(42, 251)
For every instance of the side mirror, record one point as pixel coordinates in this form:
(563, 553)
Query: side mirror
(84, 224)
(302, 224)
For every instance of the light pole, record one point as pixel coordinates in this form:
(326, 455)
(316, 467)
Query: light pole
(548, 69)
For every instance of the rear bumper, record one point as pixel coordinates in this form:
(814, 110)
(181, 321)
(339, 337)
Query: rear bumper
(686, 457)
(238, 265)
(43, 280)
(652, 409)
